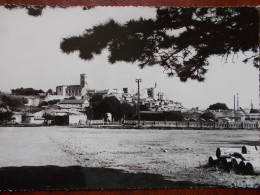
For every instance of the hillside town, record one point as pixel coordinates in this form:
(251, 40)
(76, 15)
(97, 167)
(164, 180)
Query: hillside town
(81, 105)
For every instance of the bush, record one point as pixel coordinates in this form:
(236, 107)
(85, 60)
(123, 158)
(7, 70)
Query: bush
(6, 116)
(13, 101)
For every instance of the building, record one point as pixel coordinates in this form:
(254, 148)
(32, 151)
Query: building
(32, 100)
(98, 95)
(192, 114)
(117, 95)
(101, 93)
(250, 117)
(227, 115)
(62, 117)
(53, 97)
(74, 105)
(35, 118)
(17, 117)
(74, 90)
(155, 93)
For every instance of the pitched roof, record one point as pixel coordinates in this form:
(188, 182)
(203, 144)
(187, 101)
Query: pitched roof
(102, 91)
(71, 112)
(74, 86)
(70, 86)
(81, 101)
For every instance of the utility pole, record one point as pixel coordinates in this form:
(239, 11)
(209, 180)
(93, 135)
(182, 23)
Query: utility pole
(138, 106)
(235, 108)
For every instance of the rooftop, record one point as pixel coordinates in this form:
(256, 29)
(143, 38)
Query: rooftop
(81, 101)
(72, 86)
(102, 91)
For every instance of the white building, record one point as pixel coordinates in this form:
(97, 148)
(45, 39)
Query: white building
(35, 118)
(32, 100)
(69, 117)
(74, 105)
(250, 117)
(17, 117)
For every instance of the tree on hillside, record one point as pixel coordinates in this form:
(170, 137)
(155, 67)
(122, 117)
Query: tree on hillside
(180, 39)
(218, 106)
(252, 110)
(26, 91)
(207, 116)
(110, 105)
(49, 91)
(14, 102)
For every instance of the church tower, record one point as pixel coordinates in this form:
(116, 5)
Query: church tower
(83, 80)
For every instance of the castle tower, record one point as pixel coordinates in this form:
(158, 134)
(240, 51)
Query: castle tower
(83, 80)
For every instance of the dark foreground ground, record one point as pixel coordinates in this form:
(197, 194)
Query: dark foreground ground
(76, 177)
(117, 158)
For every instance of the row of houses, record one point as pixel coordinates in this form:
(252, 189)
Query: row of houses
(71, 110)
(58, 117)
(225, 116)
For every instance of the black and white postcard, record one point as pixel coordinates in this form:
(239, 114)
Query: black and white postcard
(129, 97)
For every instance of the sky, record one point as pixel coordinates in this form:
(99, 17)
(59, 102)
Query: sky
(30, 56)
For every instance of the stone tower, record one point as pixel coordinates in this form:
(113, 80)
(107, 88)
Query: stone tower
(83, 80)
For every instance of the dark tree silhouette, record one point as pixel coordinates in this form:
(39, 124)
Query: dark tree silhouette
(89, 112)
(49, 91)
(6, 116)
(14, 102)
(98, 110)
(34, 10)
(31, 9)
(26, 91)
(252, 110)
(218, 106)
(110, 105)
(207, 116)
(144, 108)
(126, 111)
(180, 39)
